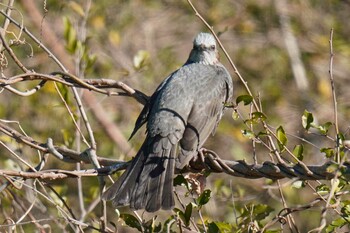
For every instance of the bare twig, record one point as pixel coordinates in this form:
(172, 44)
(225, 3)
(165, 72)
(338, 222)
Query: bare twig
(6, 22)
(335, 103)
(70, 80)
(68, 153)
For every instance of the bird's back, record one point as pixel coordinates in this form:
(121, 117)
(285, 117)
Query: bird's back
(192, 97)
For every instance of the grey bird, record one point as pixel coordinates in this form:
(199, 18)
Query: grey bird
(181, 114)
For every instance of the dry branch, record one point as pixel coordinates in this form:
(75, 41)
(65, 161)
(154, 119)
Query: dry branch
(241, 169)
(212, 163)
(69, 154)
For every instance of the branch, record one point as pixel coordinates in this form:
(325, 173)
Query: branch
(70, 80)
(240, 169)
(68, 154)
(210, 162)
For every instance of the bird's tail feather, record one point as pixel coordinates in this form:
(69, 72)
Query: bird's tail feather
(148, 182)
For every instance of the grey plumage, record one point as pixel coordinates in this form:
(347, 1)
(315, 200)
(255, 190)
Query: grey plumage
(184, 110)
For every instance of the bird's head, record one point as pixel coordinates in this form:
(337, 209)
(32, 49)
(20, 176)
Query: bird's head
(204, 50)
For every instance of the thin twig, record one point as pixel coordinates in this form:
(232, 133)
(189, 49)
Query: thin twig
(335, 103)
(7, 21)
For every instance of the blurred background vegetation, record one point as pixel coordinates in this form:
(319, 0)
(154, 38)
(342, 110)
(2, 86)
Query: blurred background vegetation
(140, 42)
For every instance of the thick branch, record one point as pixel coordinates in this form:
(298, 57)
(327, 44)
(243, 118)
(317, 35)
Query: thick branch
(241, 169)
(210, 162)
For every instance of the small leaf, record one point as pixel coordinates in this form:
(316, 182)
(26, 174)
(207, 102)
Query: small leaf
(204, 197)
(332, 168)
(298, 151)
(261, 211)
(223, 227)
(298, 184)
(235, 115)
(340, 138)
(346, 208)
(248, 134)
(180, 180)
(322, 189)
(185, 216)
(336, 224)
(188, 213)
(213, 228)
(141, 59)
(324, 128)
(258, 116)
(307, 119)
(70, 35)
(282, 138)
(131, 221)
(247, 99)
(329, 152)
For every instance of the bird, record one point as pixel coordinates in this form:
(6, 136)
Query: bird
(182, 113)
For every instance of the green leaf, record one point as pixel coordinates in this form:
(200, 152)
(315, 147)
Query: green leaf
(223, 227)
(336, 224)
(324, 128)
(322, 189)
(307, 119)
(346, 210)
(247, 99)
(141, 59)
(298, 184)
(282, 138)
(63, 89)
(188, 213)
(185, 216)
(213, 228)
(261, 211)
(204, 197)
(70, 35)
(248, 134)
(332, 168)
(298, 151)
(258, 116)
(329, 152)
(235, 115)
(340, 138)
(131, 221)
(180, 180)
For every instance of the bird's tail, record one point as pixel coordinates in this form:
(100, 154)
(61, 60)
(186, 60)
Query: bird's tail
(148, 182)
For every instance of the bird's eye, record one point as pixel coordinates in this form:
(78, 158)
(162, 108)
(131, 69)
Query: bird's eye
(212, 47)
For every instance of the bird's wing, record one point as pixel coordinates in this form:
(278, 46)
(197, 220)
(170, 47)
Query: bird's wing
(212, 89)
(143, 117)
